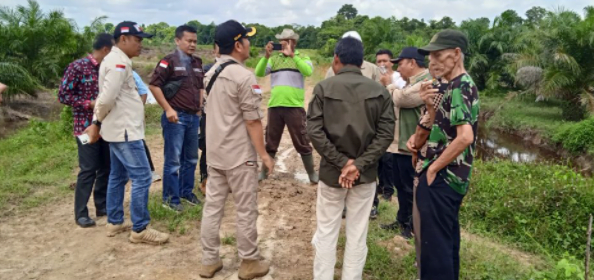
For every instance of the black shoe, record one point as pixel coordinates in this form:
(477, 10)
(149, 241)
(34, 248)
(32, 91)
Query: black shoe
(85, 222)
(406, 232)
(387, 197)
(101, 213)
(392, 226)
(374, 213)
(192, 199)
(174, 207)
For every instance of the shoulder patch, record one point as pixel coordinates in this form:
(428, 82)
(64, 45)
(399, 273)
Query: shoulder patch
(256, 89)
(120, 67)
(163, 63)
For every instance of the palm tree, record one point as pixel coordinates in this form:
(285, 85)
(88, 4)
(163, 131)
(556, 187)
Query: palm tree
(567, 41)
(36, 47)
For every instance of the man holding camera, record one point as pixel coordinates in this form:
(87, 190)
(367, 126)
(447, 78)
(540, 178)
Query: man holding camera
(177, 85)
(288, 70)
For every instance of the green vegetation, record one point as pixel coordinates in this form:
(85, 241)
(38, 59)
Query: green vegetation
(36, 47)
(542, 208)
(37, 164)
(391, 257)
(521, 115)
(171, 220)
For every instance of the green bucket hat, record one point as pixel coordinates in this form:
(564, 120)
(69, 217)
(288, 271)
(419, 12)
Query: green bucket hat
(446, 39)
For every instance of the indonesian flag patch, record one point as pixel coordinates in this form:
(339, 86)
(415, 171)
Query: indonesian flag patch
(120, 67)
(125, 29)
(163, 64)
(256, 89)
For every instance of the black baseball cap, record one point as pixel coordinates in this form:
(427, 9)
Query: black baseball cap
(446, 39)
(130, 28)
(409, 53)
(231, 31)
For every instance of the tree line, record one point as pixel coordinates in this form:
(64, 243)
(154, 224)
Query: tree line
(543, 52)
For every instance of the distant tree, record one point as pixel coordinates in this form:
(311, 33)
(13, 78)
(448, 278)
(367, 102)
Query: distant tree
(535, 15)
(348, 11)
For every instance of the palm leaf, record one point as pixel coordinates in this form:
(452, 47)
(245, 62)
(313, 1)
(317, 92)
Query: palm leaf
(18, 80)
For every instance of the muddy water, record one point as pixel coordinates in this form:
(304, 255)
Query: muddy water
(493, 144)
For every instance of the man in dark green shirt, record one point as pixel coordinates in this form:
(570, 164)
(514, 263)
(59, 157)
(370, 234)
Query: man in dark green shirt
(350, 122)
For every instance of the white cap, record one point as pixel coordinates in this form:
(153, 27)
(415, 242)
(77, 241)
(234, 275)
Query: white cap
(353, 34)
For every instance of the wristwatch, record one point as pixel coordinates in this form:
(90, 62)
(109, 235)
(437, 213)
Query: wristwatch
(97, 123)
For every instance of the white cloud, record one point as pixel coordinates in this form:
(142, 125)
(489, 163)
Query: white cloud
(274, 12)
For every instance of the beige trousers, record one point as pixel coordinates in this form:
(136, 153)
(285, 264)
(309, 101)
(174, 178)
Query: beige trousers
(243, 181)
(330, 203)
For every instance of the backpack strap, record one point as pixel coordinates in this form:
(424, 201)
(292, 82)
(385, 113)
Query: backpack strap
(216, 74)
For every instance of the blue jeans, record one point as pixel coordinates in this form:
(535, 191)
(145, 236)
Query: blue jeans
(181, 156)
(129, 161)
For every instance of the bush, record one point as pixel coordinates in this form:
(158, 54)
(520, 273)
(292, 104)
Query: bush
(542, 208)
(573, 111)
(578, 137)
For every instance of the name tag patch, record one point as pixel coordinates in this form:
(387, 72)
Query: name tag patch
(256, 89)
(198, 70)
(180, 69)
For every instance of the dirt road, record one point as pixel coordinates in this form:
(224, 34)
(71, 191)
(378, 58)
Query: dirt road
(45, 243)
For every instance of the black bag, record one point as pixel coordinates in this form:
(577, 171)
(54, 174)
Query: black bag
(171, 88)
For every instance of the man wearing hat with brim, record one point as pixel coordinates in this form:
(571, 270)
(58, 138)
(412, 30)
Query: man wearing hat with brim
(235, 138)
(119, 113)
(407, 109)
(288, 70)
(447, 164)
(368, 69)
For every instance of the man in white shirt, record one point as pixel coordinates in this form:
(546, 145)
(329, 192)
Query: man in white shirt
(383, 60)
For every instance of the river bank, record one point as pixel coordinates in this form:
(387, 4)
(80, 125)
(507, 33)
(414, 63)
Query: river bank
(526, 131)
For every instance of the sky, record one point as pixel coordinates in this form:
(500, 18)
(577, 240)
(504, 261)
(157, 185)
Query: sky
(279, 12)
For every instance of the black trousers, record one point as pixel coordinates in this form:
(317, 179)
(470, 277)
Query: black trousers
(439, 206)
(148, 155)
(202, 146)
(397, 170)
(93, 160)
(404, 176)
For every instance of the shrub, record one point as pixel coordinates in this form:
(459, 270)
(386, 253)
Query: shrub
(542, 208)
(578, 137)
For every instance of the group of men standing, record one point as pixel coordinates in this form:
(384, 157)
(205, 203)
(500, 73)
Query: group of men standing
(365, 120)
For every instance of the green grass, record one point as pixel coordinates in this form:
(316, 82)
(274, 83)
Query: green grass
(541, 208)
(229, 240)
(36, 164)
(171, 220)
(152, 115)
(480, 259)
(523, 114)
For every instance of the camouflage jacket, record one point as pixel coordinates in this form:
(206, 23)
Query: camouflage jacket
(459, 106)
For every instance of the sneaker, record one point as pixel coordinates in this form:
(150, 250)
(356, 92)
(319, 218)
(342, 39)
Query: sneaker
(392, 226)
(149, 236)
(156, 177)
(113, 230)
(250, 269)
(374, 213)
(208, 271)
(175, 207)
(192, 199)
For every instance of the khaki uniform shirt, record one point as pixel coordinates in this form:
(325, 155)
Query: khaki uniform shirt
(119, 107)
(368, 70)
(409, 97)
(234, 98)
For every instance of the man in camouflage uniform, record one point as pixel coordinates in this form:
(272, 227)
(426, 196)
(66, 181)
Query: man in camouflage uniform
(447, 164)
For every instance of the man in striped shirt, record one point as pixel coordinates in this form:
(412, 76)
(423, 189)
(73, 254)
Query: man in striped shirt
(288, 70)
